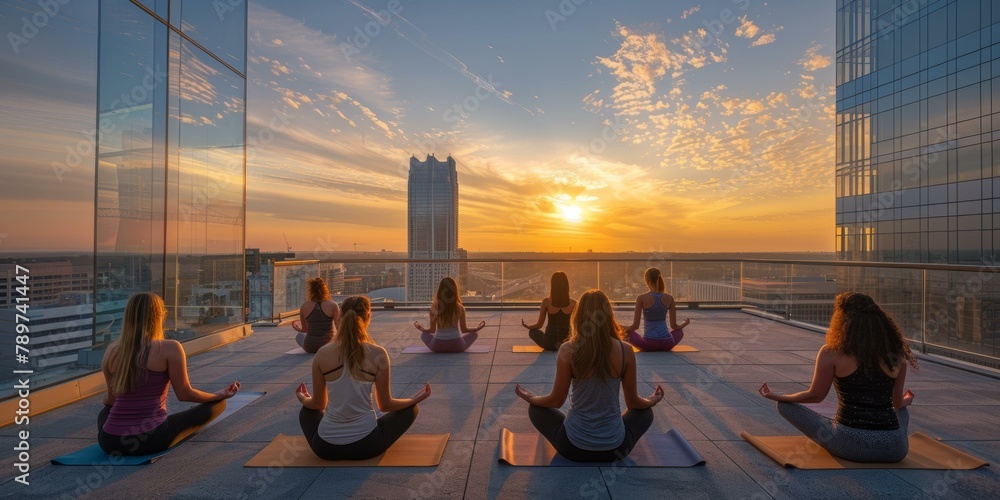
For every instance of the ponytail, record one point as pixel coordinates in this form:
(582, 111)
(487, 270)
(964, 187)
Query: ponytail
(654, 276)
(352, 334)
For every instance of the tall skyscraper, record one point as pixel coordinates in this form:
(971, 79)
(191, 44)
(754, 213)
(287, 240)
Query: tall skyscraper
(918, 143)
(432, 225)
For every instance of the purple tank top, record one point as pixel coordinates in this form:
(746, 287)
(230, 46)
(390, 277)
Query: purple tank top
(141, 410)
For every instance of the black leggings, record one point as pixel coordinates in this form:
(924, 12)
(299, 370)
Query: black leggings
(549, 342)
(549, 422)
(160, 438)
(389, 427)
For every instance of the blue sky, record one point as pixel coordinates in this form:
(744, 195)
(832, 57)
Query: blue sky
(701, 126)
(640, 125)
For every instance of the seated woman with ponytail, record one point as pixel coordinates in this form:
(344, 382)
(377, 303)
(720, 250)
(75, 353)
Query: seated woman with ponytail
(137, 369)
(342, 425)
(654, 307)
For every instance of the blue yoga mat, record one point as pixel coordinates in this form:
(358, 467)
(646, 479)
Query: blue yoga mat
(94, 455)
(652, 450)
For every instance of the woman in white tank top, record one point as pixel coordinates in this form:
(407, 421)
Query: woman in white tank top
(339, 421)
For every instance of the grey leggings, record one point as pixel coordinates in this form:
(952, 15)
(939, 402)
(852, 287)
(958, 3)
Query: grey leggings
(549, 422)
(849, 443)
(451, 345)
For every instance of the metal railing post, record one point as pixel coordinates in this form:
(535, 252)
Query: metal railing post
(923, 313)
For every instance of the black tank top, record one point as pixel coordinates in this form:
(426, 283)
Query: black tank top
(865, 400)
(558, 325)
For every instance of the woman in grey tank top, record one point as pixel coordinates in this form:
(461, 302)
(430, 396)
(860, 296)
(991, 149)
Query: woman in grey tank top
(597, 363)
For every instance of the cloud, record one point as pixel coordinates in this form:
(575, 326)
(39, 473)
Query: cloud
(747, 29)
(691, 11)
(764, 40)
(813, 60)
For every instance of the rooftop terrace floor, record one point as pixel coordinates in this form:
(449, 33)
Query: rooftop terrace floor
(711, 396)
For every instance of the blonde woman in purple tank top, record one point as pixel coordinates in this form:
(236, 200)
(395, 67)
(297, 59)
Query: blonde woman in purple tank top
(137, 368)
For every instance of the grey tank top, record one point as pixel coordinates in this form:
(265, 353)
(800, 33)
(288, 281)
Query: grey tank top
(594, 421)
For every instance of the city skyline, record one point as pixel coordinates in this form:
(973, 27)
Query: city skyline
(702, 124)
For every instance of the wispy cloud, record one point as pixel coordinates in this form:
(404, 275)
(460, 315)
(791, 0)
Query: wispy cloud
(813, 60)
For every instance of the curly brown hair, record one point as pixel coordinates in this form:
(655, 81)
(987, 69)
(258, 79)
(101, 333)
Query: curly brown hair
(860, 328)
(317, 290)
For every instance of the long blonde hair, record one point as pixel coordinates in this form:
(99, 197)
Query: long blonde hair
(142, 324)
(446, 302)
(352, 333)
(594, 330)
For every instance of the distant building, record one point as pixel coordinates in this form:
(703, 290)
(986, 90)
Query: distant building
(48, 282)
(432, 225)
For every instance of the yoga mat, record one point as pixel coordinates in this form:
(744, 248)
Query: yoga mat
(802, 453)
(411, 450)
(94, 455)
(684, 348)
(535, 348)
(652, 450)
(474, 348)
(527, 348)
(297, 350)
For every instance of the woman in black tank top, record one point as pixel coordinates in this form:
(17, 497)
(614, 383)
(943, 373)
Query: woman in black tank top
(557, 308)
(864, 359)
(317, 317)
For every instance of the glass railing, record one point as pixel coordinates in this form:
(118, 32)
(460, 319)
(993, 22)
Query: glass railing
(944, 309)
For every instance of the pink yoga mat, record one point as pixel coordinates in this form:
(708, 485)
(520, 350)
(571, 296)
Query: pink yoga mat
(474, 348)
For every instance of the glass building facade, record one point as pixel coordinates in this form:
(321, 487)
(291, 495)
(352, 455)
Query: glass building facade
(125, 123)
(918, 131)
(918, 164)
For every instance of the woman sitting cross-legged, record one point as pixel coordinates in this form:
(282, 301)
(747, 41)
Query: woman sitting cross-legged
(137, 368)
(317, 317)
(343, 373)
(864, 358)
(448, 331)
(655, 306)
(558, 307)
(598, 364)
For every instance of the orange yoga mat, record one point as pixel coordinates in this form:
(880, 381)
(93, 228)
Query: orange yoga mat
(802, 453)
(411, 450)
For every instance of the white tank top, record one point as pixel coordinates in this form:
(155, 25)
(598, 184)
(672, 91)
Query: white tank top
(350, 415)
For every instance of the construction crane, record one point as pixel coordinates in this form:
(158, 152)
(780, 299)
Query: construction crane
(356, 246)
(288, 247)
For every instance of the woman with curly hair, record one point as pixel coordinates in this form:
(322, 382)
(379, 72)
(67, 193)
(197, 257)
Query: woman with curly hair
(598, 365)
(864, 358)
(317, 316)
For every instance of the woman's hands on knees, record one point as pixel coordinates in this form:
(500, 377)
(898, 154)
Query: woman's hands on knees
(229, 391)
(302, 393)
(422, 394)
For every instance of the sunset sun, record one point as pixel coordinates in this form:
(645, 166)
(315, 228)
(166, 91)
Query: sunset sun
(571, 213)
